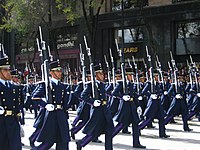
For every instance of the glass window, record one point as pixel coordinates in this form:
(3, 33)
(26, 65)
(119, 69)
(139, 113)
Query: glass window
(128, 4)
(131, 35)
(189, 30)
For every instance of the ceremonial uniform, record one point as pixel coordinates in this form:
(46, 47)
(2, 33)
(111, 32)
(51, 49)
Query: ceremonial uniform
(127, 112)
(9, 110)
(83, 111)
(153, 110)
(100, 121)
(55, 128)
(178, 105)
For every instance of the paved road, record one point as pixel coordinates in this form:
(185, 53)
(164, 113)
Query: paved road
(179, 140)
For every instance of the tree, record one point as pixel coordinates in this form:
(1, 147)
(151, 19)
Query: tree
(90, 10)
(23, 17)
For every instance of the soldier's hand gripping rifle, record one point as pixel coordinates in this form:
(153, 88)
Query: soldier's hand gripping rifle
(113, 69)
(45, 58)
(82, 59)
(175, 70)
(95, 95)
(125, 90)
(108, 69)
(150, 72)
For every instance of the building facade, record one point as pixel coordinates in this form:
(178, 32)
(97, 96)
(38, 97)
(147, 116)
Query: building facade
(162, 25)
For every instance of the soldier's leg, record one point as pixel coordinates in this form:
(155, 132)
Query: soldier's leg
(144, 123)
(14, 137)
(185, 123)
(118, 128)
(43, 146)
(62, 146)
(84, 141)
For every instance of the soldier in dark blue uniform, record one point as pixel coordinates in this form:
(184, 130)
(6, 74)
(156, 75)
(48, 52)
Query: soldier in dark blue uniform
(9, 110)
(179, 104)
(154, 108)
(15, 80)
(113, 102)
(127, 110)
(100, 120)
(55, 128)
(28, 102)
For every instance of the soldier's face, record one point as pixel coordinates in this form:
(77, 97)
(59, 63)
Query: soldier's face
(5, 74)
(100, 76)
(57, 74)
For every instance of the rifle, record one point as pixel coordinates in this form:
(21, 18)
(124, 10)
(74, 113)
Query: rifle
(130, 65)
(195, 73)
(108, 69)
(151, 71)
(170, 70)
(113, 68)
(125, 90)
(146, 70)
(136, 74)
(82, 58)
(175, 70)
(45, 58)
(160, 71)
(94, 88)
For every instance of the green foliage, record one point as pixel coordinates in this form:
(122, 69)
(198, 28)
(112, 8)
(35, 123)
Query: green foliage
(68, 7)
(23, 16)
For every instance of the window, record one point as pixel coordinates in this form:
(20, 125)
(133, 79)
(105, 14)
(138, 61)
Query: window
(178, 1)
(131, 35)
(189, 30)
(128, 4)
(188, 38)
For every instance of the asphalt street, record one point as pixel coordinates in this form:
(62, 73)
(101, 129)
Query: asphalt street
(179, 140)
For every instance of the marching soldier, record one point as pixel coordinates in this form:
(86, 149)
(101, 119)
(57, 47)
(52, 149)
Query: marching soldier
(179, 104)
(100, 120)
(55, 128)
(28, 89)
(9, 110)
(127, 110)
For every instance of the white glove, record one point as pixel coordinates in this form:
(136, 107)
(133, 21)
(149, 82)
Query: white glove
(97, 103)
(1, 110)
(27, 94)
(49, 107)
(139, 111)
(126, 97)
(198, 94)
(153, 96)
(165, 92)
(44, 99)
(178, 96)
(140, 98)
